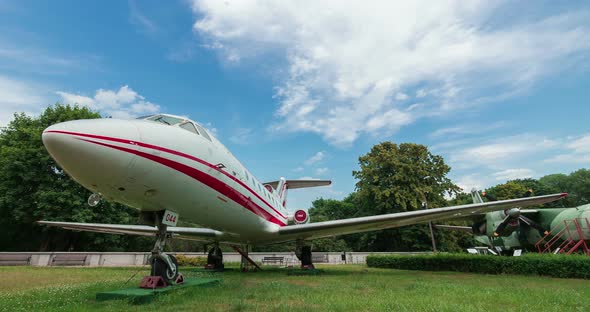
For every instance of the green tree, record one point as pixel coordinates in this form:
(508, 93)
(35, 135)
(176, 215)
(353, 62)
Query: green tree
(396, 178)
(332, 209)
(33, 187)
(579, 187)
(508, 190)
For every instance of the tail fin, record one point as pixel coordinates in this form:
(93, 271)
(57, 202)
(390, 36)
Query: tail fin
(282, 185)
(282, 191)
(476, 197)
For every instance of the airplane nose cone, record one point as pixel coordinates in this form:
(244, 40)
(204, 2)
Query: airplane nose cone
(514, 212)
(96, 152)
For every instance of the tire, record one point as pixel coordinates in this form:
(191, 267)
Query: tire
(215, 258)
(160, 268)
(306, 255)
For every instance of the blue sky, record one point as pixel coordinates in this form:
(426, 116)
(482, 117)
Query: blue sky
(303, 88)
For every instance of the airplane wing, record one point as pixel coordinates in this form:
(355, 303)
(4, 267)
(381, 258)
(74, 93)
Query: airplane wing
(475, 217)
(392, 220)
(295, 184)
(200, 234)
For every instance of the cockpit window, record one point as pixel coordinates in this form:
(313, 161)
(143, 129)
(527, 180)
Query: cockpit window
(203, 132)
(189, 126)
(165, 119)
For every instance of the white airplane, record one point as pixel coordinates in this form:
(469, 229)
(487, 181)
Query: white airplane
(169, 167)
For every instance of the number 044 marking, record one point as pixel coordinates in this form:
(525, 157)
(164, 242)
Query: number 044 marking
(170, 218)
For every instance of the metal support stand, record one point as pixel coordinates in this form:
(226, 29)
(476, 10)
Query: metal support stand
(247, 264)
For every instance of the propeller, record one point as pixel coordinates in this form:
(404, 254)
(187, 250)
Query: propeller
(514, 217)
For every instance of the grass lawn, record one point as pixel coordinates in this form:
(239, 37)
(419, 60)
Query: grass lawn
(340, 288)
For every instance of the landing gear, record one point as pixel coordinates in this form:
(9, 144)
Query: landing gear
(215, 259)
(303, 253)
(164, 267)
(160, 268)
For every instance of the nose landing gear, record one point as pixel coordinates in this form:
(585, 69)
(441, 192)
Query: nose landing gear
(164, 267)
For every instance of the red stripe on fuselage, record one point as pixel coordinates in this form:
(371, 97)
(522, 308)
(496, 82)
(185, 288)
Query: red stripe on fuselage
(177, 153)
(204, 178)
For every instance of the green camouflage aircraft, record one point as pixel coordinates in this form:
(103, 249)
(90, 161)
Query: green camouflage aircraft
(517, 228)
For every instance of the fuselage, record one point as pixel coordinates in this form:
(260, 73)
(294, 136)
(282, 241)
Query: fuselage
(153, 165)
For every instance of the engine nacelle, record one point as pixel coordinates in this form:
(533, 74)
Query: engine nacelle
(299, 217)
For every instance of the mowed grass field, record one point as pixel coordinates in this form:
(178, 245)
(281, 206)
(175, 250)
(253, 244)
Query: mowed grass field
(339, 288)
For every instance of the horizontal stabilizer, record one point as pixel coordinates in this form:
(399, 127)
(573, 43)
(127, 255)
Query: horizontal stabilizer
(295, 184)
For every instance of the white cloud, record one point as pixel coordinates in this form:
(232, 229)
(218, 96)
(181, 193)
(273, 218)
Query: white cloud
(569, 159)
(501, 151)
(482, 163)
(19, 96)
(511, 174)
(212, 130)
(241, 136)
(348, 62)
(318, 157)
(298, 169)
(401, 96)
(139, 19)
(467, 129)
(123, 103)
(577, 152)
(321, 171)
(467, 182)
(581, 145)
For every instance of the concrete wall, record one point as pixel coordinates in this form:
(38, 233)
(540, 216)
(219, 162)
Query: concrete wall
(141, 258)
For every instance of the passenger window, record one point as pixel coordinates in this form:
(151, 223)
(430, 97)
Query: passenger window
(203, 132)
(190, 127)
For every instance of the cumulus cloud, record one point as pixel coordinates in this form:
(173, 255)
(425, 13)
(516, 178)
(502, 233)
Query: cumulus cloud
(511, 174)
(19, 96)
(577, 152)
(581, 145)
(351, 67)
(321, 171)
(123, 103)
(501, 151)
(467, 182)
(316, 158)
(512, 157)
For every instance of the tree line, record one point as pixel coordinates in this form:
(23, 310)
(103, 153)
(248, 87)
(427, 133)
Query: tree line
(391, 178)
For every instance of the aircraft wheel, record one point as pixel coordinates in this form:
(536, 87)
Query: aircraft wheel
(159, 268)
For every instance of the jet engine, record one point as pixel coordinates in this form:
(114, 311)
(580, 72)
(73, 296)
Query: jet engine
(299, 217)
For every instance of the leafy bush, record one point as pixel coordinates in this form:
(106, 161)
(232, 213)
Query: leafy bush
(572, 266)
(191, 261)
